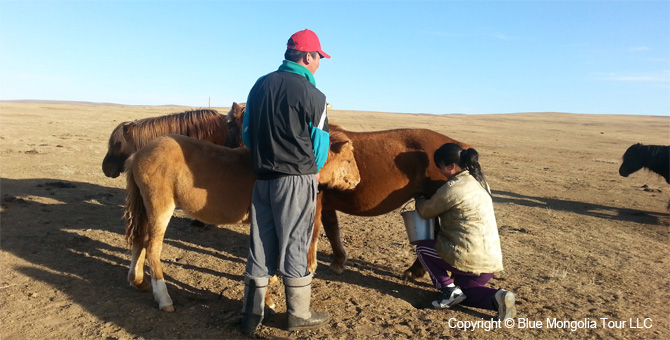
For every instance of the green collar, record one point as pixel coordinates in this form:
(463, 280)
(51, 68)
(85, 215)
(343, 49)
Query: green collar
(293, 67)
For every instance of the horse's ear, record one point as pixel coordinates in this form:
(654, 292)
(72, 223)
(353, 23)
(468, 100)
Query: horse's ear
(239, 111)
(128, 128)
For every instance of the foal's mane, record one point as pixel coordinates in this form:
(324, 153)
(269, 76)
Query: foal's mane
(195, 123)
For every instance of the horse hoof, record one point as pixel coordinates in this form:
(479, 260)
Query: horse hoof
(419, 273)
(337, 268)
(409, 275)
(145, 286)
(168, 308)
(269, 303)
(272, 308)
(412, 275)
(312, 269)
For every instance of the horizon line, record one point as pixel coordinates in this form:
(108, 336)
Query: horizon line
(91, 103)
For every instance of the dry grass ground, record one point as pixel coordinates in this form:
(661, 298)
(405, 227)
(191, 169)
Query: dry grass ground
(580, 243)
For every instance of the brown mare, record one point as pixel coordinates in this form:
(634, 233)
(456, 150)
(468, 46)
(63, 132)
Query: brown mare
(128, 137)
(394, 165)
(208, 182)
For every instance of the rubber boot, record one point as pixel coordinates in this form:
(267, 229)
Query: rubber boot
(253, 304)
(298, 295)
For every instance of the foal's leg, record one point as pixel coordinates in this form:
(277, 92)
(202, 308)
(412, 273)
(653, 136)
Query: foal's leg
(268, 297)
(157, 225)
(311, 255)
(136, 273)
(330, 225)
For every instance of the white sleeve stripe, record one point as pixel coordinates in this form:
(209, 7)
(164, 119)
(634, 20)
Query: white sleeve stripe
(323, 117)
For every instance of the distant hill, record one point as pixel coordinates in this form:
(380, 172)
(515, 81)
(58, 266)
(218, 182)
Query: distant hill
(66, 102)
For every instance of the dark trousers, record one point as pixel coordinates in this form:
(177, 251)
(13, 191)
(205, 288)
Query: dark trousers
(282, 222)
(472, 285)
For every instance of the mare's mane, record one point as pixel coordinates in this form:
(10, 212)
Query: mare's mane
(336, 133)
(195, 123)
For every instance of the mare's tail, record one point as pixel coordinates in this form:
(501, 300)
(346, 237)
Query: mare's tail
(135, 213)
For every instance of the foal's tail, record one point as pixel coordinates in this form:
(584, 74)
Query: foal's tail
(135, 213)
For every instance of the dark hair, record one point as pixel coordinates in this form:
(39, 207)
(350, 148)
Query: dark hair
(467, 159)
(296, 56)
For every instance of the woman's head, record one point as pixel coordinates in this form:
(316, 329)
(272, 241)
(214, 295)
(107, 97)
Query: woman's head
(452, 153)
(451, 159)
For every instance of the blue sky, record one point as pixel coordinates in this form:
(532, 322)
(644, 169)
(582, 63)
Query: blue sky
(474, 57)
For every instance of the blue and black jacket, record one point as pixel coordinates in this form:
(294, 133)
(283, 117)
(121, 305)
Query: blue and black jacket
(285, 123)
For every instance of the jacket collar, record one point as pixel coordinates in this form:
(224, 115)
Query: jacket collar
(293, 67)
(462, 173)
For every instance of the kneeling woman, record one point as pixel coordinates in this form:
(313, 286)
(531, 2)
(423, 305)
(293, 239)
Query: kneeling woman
(467, 243)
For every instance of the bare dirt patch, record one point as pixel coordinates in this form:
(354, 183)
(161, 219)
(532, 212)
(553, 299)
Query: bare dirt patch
(580, 243)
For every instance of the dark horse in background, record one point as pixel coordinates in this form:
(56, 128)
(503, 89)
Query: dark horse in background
(394, 165)
(655, 158)
(204, 124)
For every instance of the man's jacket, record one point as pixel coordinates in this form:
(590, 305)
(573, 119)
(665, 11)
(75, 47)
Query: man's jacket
(285, 124)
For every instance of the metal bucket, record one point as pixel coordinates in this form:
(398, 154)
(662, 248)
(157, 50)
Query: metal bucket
(418, 228)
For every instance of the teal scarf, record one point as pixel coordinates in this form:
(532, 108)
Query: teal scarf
(293, 67)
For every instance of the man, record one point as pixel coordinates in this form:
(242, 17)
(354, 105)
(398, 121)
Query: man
(286, 128)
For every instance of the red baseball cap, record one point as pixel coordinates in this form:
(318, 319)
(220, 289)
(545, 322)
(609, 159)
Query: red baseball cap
(306, 41)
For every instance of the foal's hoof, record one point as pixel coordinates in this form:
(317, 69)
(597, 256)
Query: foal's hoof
(168, 308)
(269, 303)
(312, 268)
(144, 286)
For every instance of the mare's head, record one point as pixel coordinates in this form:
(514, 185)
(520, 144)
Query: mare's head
(120, 148)
(632, 160)
(235, 118)
(340, 171)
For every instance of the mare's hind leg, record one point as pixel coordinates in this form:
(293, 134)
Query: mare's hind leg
(330, 225)
(415, 271)
(136, 276)
(157, 226)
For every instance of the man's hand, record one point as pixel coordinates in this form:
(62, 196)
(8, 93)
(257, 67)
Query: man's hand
(317, 176)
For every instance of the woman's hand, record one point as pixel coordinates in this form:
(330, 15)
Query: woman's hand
(419, 200)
